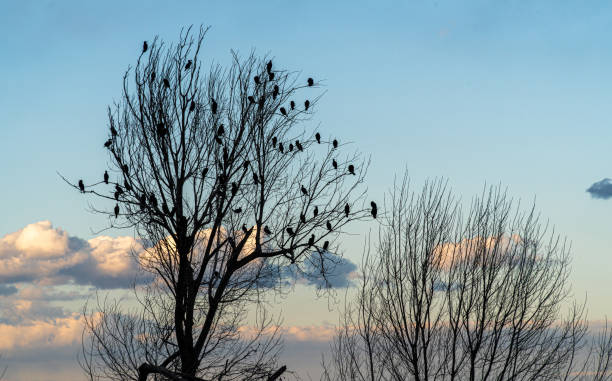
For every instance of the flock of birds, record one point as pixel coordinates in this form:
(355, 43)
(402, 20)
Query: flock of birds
(162, 131)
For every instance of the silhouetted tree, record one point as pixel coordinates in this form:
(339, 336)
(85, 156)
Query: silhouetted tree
(474, 296)
(195, 172)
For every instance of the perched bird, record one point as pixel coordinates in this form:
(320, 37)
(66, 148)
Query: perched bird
(267, 230)
(244, 229)
(256, 79)
(234, 189)
(315, 212)
(221, 130)
(245, 165)
(251, 99)
(299, 145)
(306, 104)
(318, 137)
(153, 200)
(374, 209)
(105, 177)
(269, 66)
(116, 210)
(166, 83)
(329, 226)
(81, 186)
(291, 232)
(192, 106)
(351, 169)
(303, 218)
(280, 148)
(334, 163)
(275, 92)
(213, 106)
(108, 143)
(188, 65)
(274, 140)
(311, 240)
(237, 210)
(304, 191)
(292, 104)
(310, 82)
(255, 178)
(347, 210)
(118, 189)
(152, 76)
(113, 131)
(145, 46)
(204, 172)
(283, 111)
(271, 76)
(325, 245)
(335, 143)
(290, 147)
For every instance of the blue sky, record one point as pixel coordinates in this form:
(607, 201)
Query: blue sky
(480, 92)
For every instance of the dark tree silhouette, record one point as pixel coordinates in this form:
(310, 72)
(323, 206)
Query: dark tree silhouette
(217, 208)
(474, 296)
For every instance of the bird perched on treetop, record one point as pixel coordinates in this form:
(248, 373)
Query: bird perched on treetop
(347, 210)
(271, 76)
(280, 148)
(290, 147)
(335, 143)
(238, 210)
(108, 143)
(81, 186)
(244, 229)
(267, 230)
(325, 245)
(188, 65)
(192, 106)
(234, 189)
(311, 240)
(220, 130)
(275, 92)
(256, 79)
(105, 177)
(315, 211)
(290, 231)
(334, 163)
(299, 145)
(113, 131)
(269, 66)
(274, 140)
(116, 210)
(292, 104)
(306, 104)
(351, 169)
(166, 83)
(310, 82)
(251, 99)
(374, 209)
(329, 226)
(145, 46)
(283, 111)
(213, 106)
(304, 191)
(318, 137)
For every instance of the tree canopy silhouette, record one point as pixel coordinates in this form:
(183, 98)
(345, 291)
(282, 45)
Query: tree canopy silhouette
(195, 171)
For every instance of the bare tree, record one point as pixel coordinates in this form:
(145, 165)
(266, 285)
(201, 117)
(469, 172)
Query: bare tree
(457, 296)
(226, 193)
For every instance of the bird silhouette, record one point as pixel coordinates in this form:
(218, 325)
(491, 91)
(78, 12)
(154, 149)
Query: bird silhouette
(306, 104)
(267, 230)
(234, 189)
(81, 186)
(280, 148)
(311, 240)
(255, 178)
(145, 46)
(329, 226)
(152, 76)
(335, 143)
(290, 231)
(251, 99)
(113, 131)
(271, 76)
(347, 210)
(374, 209)
(290, 147)
(117, 194)
(256, 79)
(166, 83)
(275, 92)
(274, 140)
(283, 111)
(310, 82)
(334, 163)
(351, 169)
(304, 191)
(292, 104)
(116, 210)
(269, 66)
(213, 106)
(192, 106)
(245, 165)
(153, 200)
(315, 212)
(105, 177)
(318, 137)
(303, 218)
(237, 210)
(244, 229)
(118, 188)
(299, 145)
(108, 143)
(188, 65)
(221, 130)
(204, 172)
(325, 245)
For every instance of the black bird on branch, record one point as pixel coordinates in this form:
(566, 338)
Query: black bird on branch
(318, 137)
(283, 111)
(192, 106)
(237, 210)
(325, 245)
(291, 232)
(299, 145)
(234, 189)
(220, 130)
(290, 147)
(303, 218)
(334, 163)
(269, 66)
(292, 104)
(251, 99)
(329, 226)
(274, 140)
(204, 172)
(374, 209)
(310, 82)
(116, 210)
(166, 83)
(161, 130)
(188, 65)
(256, 79)
(213, 106)
(315, 212)
(306, 104)
(113, 131)
(145, 46)
(281, 148)
(152, 76)
(311, 240)
(271, 76)
(347, 210)
(105, 177)
(81, 186)
(351, 169)
(153, 200)
(244, 229)
(117, 194)
(304, 191)
(335, 143)
(275, 92)
(108, 143)
(261, 102)
(266, 230)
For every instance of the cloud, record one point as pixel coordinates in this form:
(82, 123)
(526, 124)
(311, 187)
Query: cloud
(42, 254)
(601, 189)
(53, 333)
(339, 271)
(7, 290)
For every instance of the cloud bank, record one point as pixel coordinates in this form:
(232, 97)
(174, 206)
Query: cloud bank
(601, 189)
